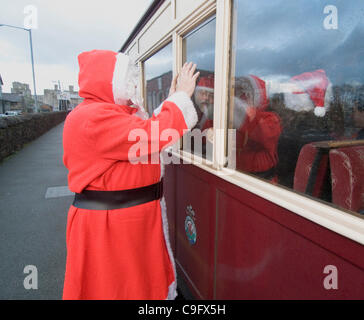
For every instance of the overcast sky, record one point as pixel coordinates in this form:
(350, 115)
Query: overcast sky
(286, 38)
(65, 28)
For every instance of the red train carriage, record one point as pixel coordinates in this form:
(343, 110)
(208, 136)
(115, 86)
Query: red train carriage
(269, 202)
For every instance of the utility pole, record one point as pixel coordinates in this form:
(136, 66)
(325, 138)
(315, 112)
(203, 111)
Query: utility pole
(32, 59)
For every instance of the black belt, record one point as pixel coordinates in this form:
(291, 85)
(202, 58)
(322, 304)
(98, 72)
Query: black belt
(108, 200)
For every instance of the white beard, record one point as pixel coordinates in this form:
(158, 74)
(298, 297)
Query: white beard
(207, 110)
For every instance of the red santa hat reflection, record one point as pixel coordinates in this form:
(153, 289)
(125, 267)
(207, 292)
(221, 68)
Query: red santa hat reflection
(307, 91)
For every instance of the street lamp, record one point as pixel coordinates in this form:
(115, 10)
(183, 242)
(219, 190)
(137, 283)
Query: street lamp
(31, 55)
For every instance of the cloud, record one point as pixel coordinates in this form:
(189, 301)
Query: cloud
(287, 38)
(65, 28)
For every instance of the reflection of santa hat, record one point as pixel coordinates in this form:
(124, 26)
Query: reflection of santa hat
(255, 88)
(307, 91)
(206, 83)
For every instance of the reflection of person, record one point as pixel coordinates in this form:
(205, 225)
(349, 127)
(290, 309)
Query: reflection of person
(204, 99)
(258, 130)
(117, 231)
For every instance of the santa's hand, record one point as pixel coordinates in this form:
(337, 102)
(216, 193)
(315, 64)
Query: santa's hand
(186, 79)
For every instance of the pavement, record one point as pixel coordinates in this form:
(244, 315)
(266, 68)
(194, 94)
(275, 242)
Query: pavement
(34, 202)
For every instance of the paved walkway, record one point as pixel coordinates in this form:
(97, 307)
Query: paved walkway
(33, 217)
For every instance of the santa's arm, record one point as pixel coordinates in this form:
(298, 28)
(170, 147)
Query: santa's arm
(267, 131)
(261, 153)
(120, 136)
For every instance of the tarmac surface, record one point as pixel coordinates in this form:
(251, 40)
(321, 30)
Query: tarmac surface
(34, 201)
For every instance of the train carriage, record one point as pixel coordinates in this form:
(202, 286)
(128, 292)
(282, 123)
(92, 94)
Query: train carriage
(270, 204)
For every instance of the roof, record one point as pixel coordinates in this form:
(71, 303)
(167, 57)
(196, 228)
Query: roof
(142, 22)
(1, 81)
(12, 97)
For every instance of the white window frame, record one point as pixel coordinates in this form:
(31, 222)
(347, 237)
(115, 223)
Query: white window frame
(346, 223)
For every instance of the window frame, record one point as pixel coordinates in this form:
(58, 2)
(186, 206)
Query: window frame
(339, 220)
(141, 63)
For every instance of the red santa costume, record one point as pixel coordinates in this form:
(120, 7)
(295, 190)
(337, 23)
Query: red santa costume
(258, 131)
(121, 253)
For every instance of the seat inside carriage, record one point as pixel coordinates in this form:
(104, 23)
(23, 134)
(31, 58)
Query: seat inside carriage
(319, 154)
(332, 171)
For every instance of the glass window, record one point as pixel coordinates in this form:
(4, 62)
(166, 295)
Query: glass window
(297, 96)
(199, 48)
(158, 76)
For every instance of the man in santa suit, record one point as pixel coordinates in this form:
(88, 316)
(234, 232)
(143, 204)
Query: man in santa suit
(204, 100)
(117, 231)
(258, 130)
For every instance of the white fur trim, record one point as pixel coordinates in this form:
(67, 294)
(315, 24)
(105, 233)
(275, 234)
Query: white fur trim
(239, 112)
(158, 110)
(198, 88)
(298, 102)
(118, 79)
(184, 103)
(320, 111)
(141, 114)
(172, 289)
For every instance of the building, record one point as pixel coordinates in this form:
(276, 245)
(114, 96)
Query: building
(23, 91)
(61, 100)
(12, 102)
(21, 88)
(75, 99)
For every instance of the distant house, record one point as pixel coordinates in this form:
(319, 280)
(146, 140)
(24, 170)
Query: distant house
(12, 102)
(61, 99)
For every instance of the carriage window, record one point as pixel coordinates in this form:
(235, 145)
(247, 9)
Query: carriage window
(158, 77)
(199, 47)
(297, 96)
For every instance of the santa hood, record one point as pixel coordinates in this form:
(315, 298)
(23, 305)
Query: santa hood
(107, 76)
(254, 89)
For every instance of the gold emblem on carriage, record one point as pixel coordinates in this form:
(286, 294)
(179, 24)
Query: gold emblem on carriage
(190, 226)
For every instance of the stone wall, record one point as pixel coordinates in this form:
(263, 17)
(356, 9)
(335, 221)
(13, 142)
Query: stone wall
(15, 131)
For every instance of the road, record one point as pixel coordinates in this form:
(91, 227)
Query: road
(33, 217)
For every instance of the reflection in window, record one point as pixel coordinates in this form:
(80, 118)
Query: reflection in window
(158, 77)
(297, 97)
(199, 48)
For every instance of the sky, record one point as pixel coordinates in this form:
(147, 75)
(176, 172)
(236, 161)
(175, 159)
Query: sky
(269, 45)
(60, 30)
